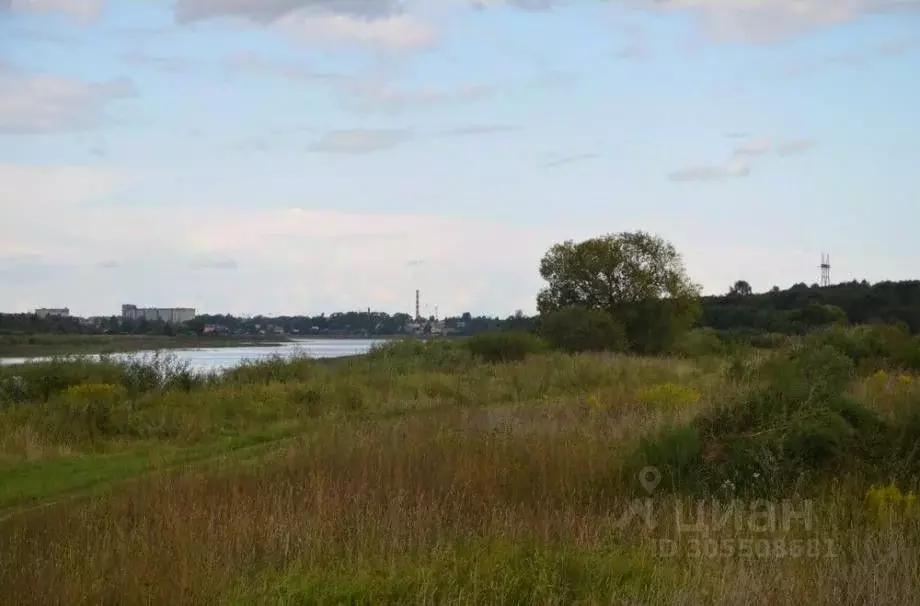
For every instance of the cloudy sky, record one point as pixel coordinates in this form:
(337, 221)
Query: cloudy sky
(301, 156)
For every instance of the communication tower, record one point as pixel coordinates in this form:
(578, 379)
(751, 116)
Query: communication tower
(825, 269)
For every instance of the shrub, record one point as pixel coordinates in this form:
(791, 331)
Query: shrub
(675, 453)
(872, 346)
(699, 342)
(505, 346)
(793, 429)
(653, 326)
(40, 381)
(577, 329)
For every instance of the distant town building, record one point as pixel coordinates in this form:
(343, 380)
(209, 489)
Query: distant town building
(59, 312)
(169, 315)
(430, 327)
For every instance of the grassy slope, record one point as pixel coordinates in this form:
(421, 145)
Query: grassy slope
(402, 480)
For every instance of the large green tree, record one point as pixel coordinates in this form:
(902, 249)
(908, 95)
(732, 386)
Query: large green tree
(636, 277)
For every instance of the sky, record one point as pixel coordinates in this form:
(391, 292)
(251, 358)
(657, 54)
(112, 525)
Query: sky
(306, 156)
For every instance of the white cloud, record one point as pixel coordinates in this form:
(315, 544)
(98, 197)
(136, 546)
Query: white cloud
(86, 11)
(746, 20)
(266, 11)
(395, 24)
(380, 24)
(769, 20)
(395, 32)
(392, 25)
(39, 103)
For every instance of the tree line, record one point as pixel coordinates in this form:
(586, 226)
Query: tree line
(348, 323)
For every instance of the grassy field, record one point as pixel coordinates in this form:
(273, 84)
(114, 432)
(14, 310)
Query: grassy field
(25, 346)
(423, 474)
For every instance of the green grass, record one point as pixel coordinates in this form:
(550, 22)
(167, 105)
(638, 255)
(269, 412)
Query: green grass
(28, 484)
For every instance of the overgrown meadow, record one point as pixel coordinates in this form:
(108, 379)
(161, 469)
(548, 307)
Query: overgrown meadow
(489, 471)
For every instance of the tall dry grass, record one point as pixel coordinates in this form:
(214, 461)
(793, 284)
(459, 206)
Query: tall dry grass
(439, 479)
(463, 508)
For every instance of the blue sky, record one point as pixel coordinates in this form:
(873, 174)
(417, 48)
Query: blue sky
(303, 156)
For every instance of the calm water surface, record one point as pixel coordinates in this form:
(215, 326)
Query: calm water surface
(211, 359)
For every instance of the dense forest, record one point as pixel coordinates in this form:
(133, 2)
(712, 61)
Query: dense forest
(791, 311)
(797, 309)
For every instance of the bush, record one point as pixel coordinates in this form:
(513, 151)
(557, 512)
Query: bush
(653, 326)
(505, 346)
(699, 342)
(792, 430)
(872, 346)
(577, 329)
(38, 381)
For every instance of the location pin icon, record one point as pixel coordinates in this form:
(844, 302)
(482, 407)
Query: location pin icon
(649, 477)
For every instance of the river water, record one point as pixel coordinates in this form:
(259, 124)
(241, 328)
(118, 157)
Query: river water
(210, 359)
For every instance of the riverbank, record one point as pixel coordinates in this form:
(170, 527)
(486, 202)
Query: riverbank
(42, 345)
